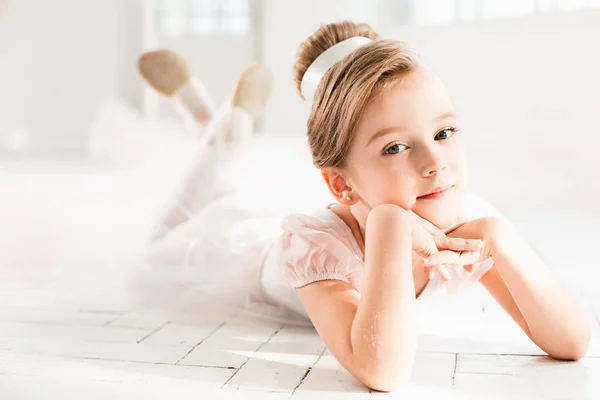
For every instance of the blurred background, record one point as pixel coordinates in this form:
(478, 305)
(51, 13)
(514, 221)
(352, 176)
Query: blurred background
(88, 154)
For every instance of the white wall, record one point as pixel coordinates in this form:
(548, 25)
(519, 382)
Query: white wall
(58, 59)
(285, 24)
(217, 60)
(527, 90)
(61, 60)
(529, 96)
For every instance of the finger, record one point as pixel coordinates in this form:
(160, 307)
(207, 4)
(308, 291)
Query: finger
(452, 257)
(429, 272)
(457, 244)
(434, 229)
(443, 257)
(443, 271)
(428, 249)
(460, 222)
(428, 225)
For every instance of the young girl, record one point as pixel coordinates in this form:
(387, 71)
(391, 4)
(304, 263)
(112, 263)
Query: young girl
(386, 140)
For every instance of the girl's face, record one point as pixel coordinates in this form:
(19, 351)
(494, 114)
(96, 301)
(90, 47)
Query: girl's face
(407, 145)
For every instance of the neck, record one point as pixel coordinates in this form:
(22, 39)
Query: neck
(355, 220)
(358, 223)
(361, 225)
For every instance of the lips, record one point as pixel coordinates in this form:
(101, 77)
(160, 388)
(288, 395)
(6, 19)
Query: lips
(436, 192)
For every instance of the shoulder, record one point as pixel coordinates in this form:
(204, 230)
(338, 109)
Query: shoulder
(317, 246)
(321, 225)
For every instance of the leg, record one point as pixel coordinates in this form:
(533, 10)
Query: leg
(233, 122)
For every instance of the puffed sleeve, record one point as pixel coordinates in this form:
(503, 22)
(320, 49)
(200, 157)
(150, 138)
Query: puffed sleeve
(310, 250)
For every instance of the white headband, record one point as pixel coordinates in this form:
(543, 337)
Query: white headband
(316, 71)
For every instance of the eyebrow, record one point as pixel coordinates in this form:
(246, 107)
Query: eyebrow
(385, 131)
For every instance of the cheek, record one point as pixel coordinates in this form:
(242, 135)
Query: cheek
(387, 187)
(459, 165)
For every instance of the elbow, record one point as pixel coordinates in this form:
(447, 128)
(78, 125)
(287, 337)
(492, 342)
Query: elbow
(388, 380)
(570, 354)
(577, 355)
(574, 349)
(384, 369)
(381, 384)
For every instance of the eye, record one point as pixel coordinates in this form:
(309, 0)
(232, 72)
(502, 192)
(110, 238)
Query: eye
(394, 149)
(445, 133)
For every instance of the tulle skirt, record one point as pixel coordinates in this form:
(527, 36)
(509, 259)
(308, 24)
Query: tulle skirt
(209, 247)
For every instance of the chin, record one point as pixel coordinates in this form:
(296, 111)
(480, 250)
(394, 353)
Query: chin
(443, 212)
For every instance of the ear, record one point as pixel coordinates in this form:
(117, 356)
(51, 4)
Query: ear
(338, 186)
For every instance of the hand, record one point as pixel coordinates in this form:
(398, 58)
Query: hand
(484, 229)
(463, 249)
(439, 235)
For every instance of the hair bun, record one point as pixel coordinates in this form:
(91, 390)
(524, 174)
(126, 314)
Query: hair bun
(326, 36)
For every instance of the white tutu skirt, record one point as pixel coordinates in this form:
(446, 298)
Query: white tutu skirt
(208, 250)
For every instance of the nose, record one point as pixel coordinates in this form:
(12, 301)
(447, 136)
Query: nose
(432, 162)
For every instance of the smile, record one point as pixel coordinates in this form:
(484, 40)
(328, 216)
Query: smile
(436, 195)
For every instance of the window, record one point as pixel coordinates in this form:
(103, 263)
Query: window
(235, 16)
(435, 12)
(203, 17)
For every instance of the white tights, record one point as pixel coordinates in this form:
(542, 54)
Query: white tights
(230, 124)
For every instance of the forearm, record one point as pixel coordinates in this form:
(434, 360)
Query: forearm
(557, 323)
(383, 334)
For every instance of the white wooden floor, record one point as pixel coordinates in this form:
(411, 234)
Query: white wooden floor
(68, 342)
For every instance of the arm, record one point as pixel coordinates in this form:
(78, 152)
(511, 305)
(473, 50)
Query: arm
(556, 322)
(372, 335)
(528, 290)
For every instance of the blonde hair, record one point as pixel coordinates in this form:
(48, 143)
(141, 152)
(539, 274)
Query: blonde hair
(348, 86)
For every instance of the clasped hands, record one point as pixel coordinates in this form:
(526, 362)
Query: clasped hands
(462, 244)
